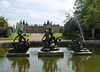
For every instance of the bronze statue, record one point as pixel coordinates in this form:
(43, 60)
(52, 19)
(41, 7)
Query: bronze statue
(21, 46)
(50, 42)
(47, 38)
(21, 36)
(78, 37)
(50, 32)
(77, 43)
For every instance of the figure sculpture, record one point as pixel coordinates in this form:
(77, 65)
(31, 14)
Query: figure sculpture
(50, 42)
(47, 38)
(77, 42)
(21, 36)
(22, 45)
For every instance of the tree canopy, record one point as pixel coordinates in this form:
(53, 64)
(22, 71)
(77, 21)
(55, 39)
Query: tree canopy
(88, 14)
(4, 29)
(19, 25)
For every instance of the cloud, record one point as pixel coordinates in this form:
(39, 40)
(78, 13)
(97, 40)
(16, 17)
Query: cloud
(6, 4)
(41, 10)
(49, 4)
(35, 16)
(11, 23)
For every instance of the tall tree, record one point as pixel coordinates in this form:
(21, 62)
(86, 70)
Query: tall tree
(92, 17)
(4, 30)
(88, 12)
(3, 24)
(61, 29)
(70, 28)
(18, 26)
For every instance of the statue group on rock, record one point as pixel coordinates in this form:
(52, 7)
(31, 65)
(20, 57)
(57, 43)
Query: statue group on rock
(22, 45)
(49, 41)
(77, 43)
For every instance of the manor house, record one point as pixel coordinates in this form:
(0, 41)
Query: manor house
(40, 28)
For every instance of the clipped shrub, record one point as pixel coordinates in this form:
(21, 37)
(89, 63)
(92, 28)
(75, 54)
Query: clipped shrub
(7, 32)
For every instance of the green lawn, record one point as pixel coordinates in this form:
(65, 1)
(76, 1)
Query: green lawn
(14, 35)
(59, 35)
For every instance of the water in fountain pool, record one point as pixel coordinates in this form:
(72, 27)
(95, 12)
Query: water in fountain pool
(34, 63)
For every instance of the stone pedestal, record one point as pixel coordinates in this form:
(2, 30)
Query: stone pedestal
(18, 54)
(58, 53)
(81, 53)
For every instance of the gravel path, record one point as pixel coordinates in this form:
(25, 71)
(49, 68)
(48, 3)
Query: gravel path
(3, 41)
(35, 37)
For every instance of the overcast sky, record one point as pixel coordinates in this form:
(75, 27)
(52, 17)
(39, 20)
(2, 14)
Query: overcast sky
(35, 11)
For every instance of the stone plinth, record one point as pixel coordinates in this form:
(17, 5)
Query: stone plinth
(58, 53)
(18, 54)
(81, 53)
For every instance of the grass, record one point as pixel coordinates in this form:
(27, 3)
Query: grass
(14, 35)
(59, 35)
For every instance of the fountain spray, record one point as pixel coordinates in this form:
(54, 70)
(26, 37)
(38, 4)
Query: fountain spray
(80, 28)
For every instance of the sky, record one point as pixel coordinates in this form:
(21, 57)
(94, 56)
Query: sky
(35, 11)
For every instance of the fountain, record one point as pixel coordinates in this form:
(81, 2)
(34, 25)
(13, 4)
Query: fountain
(50, 48)
(20, 48)
(78, 45)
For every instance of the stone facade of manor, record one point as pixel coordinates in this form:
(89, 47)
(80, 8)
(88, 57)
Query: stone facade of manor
(40, 28)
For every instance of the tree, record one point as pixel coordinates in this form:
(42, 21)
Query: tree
(70, 28)
(68, 16)
(4, 30)
(7, 32)
(61, 29)
(3, 24)
(88, 11)
(18, 26)
(92, 17)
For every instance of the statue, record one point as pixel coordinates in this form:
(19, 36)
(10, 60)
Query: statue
(77, 42)
(21, 36)
(50, 42)
(22, 46)
(47, 38)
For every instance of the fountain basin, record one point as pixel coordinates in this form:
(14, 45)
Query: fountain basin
(57, 53)
(27, 54)
(83, 52)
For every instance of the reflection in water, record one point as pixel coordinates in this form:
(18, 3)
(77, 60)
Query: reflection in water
(49, 64)
(21, 63)
(3, 52)
(79, 63)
